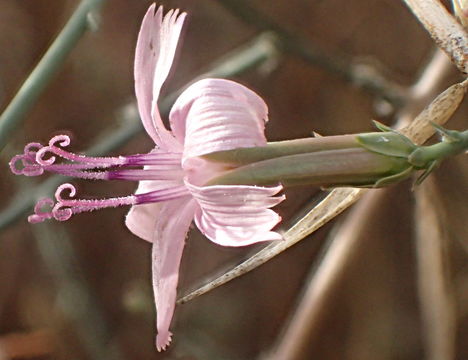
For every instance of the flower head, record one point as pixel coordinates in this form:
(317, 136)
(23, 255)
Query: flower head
(211, 115)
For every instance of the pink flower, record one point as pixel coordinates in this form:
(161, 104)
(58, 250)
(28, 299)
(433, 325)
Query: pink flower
(211, 115)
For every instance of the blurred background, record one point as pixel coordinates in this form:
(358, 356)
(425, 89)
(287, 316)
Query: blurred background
(82, 289)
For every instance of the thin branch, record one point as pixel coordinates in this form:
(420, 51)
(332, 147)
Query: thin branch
(74, 298)
(448, 34)
(251, 55)
(362, 76)
(425, 88)
(435, 293)
(48, 66)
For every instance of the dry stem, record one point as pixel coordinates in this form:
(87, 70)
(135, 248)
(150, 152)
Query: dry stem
(448, 34)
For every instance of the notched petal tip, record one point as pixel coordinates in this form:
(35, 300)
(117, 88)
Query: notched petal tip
(155, 50)
(163, 340)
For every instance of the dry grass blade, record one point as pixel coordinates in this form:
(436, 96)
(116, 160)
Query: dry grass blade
(439, 111)
(444, 29)
(435, 293)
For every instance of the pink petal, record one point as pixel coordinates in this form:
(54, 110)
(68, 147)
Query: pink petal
(156, 45)
(237, 215)
(213, 115)
(169, 238)
(141, 219)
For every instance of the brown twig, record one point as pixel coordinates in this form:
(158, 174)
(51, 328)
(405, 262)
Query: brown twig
(362, 76)
(425, 88)
(448, 34)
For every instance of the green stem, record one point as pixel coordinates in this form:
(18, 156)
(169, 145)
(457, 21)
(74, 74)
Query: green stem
(46, 69)
(425, 155)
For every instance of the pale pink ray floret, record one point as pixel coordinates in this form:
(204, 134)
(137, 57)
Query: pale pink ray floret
(211, 115)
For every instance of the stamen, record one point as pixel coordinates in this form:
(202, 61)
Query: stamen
(39, 214)
(162, 195)
(28, 160)
(64, 208)
(159, 173)
(87, 162)
(159, 165)
(153, 158)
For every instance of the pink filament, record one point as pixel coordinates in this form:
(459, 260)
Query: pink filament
(162, 165)
(64, 208)
(63, 141)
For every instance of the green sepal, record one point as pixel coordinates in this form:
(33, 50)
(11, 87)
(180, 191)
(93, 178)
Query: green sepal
(385, 128)
(382, 127)
(417, 158)
(434, 164)
(453, 142)
(447, 135)
(388, 180)
(382, 182)
(387, 143)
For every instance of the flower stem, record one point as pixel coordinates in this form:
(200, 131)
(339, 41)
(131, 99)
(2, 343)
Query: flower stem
(427, 154)
(47, 67)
